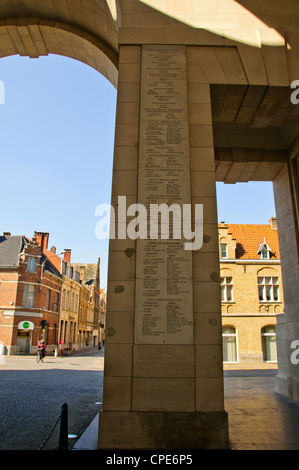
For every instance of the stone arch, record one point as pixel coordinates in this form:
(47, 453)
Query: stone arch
(264, 309)
(230, 325)
(230, 309)
(223, 240)
(278, 309)
(35, 38)
(242, 75)
(86, 33)
(268, 271)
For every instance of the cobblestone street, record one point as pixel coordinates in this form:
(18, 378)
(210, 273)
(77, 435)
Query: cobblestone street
(31, 396)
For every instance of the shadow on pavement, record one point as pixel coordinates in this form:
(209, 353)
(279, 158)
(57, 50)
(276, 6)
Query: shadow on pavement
(250, 373)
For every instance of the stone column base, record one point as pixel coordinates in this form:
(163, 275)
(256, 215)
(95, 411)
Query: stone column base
(158, 430)
(281, 385)
(287, 386)
(293, 388)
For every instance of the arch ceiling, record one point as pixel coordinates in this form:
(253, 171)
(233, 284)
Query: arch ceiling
(86, 30)
(228, 18)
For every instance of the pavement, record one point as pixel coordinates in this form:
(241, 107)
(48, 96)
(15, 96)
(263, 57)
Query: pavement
(32, 394)
(89, 439)
(259, 418)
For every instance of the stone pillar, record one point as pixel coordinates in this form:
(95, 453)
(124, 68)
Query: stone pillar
(163, 377)
(287, 328)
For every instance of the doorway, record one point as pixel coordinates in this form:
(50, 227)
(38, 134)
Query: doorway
(24, 342)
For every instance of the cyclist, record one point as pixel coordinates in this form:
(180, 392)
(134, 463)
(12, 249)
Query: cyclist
(42, 348)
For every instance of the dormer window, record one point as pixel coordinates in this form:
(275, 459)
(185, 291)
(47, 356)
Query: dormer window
(264, 251)
(265, 254)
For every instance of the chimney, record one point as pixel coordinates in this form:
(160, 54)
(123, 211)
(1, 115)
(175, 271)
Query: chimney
(42, 239)
(6, 234)
(53, 250)
(273, 223)
(67, 255)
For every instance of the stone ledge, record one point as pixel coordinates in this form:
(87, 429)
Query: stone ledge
(158, 430)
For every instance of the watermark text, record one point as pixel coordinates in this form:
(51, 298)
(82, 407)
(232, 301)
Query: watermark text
(295, 94)
(295, 354)
(157, 221)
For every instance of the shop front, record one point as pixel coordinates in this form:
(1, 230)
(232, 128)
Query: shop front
(24, 337)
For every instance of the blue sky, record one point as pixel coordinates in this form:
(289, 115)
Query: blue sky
(56, 153)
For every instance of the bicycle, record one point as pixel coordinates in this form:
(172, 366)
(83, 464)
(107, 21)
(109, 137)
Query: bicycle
(39, 356)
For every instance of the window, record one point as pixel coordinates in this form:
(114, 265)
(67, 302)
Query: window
(223, 250)
(265, 254)
(264, 251)
(69, 271)
(48, 299)
(229, 337)
(31, 264)
(61, 330)
(65, 332)
(226, 289)
(54, 333)
(55, 303)
(63, 267)
(269, 343)
(268, 289)
(28, 295)
(63, 299)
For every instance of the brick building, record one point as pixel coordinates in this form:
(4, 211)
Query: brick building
(103, 315)
(84, 308)
(251, 291)
(69, 309)
(30, 289)
(70, 293)
(43, 297)
(79, 309)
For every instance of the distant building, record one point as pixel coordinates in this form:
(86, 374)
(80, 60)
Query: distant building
(89, 314)
(30, 290)
(44, 296)
(70, 293)
(103, 315)
(251, 291)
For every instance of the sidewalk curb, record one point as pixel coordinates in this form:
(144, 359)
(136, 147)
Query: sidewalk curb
(89, 439)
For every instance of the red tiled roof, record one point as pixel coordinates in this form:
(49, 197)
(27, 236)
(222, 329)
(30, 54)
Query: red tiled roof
(54, 259)
(250, 236)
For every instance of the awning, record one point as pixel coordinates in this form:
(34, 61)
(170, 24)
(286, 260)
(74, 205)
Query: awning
(26, 325)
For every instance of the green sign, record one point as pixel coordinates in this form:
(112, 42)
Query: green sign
(25, 325)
